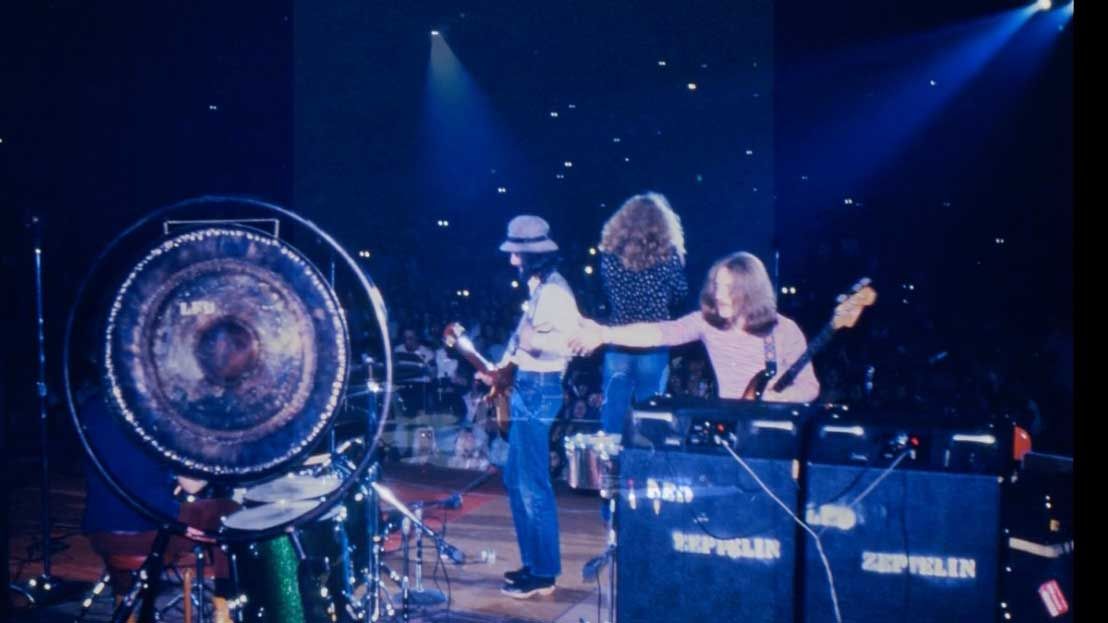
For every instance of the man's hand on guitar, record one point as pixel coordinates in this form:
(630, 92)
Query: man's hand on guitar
(484, 378)
(587, 339)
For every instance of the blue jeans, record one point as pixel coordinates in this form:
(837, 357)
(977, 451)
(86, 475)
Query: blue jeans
(535, 403)
(631, 375)
(635, 374)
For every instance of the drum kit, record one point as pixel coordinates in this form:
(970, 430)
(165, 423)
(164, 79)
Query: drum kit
(224, 351)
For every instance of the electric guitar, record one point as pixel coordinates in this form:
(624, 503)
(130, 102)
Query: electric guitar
(845, 316)
(499, 395)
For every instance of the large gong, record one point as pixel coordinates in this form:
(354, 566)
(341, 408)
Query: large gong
(225, 350)
(205, 335)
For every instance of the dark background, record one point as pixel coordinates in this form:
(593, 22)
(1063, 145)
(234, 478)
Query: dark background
(113, 110)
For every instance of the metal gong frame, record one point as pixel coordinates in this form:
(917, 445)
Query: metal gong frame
(366, 286)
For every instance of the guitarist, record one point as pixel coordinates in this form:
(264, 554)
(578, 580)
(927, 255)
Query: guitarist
(540, 351)
(739, 326)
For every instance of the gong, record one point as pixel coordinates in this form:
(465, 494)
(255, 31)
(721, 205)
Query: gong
(226, 352)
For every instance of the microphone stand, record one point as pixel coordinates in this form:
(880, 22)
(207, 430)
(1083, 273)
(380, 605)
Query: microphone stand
(443, 548)
(45, 587)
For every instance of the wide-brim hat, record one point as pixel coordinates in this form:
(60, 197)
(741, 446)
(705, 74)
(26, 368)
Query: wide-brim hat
(528, 234)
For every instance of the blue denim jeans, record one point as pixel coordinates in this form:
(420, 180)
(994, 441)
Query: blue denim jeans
(535, 403)
(631, 375)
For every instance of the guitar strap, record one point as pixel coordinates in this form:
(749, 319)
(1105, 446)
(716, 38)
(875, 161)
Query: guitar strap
(769, 346)
(528, 316)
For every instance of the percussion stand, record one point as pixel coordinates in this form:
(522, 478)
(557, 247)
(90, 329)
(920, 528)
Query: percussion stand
(147, 581)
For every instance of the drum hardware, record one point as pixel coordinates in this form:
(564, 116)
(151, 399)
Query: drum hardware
(592, 462)
(204, 358)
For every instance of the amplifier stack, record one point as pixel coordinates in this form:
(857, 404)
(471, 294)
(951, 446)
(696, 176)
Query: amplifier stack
(908, 514)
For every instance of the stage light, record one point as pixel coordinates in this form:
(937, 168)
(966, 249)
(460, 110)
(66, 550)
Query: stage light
(848, 201)
(692, 86)
(501, 190)
(614, 140)
(568, 164)
(588, 270)
(661, 63)
(435, 33)
(515, 284)
(554, 114)
(592, 250)
(1043, 5)
(750, 152)
(784, 290)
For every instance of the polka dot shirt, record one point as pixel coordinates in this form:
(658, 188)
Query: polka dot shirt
(642, 296)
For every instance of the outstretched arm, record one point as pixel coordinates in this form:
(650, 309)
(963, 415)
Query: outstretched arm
(638, 335)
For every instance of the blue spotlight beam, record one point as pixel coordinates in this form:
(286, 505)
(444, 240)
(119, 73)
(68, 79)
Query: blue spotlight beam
(464, 142)
(879, 126)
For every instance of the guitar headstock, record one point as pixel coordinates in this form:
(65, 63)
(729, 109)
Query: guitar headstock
(452, 333)
(850, 306)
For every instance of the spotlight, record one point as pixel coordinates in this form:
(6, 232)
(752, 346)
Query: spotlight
(502, 190)
(435, 33)
(692, 86)
(1043, 5)
(588, 270)
(515, 284)
(592, 250)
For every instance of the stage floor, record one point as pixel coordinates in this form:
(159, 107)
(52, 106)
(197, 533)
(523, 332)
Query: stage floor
(483, 524)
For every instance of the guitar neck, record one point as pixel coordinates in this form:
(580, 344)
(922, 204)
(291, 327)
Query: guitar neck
(469, 353)
(814, 347)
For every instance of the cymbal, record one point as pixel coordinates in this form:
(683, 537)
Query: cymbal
(268, 515)
(293, 487)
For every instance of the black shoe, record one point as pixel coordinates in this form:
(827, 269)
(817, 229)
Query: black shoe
(528, 587)
(513, 577)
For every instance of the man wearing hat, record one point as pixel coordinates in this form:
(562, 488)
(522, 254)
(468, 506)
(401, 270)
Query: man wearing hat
(540, 350)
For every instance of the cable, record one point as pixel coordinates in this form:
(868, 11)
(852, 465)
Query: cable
(873, 485)
(599, 599)
(687, 508)
(888, 470)
(819, 544)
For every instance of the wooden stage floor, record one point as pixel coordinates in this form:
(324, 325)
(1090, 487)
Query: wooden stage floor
(483, 524)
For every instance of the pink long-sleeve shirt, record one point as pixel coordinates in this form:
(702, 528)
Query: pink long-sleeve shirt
(737, 355)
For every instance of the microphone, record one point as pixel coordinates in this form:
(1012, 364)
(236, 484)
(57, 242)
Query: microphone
(592, 568)
(456, 555)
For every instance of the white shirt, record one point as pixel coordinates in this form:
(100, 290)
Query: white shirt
(552, 312)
